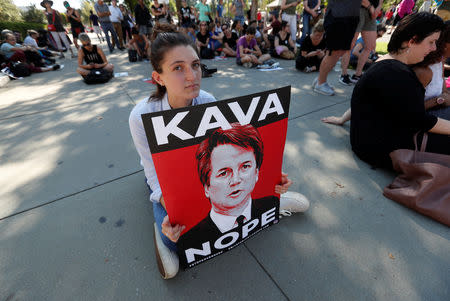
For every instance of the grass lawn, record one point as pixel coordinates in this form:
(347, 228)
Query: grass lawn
(381, 48)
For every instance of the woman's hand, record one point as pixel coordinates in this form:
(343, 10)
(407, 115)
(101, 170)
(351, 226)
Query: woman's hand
(284, 185)
(172, 232)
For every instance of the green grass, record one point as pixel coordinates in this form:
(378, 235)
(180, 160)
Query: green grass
(381, 48)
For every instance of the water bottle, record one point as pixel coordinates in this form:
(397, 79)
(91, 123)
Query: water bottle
(337, 67)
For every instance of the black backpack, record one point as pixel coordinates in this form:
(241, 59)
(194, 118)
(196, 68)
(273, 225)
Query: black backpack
(97, 76)
(20, 69)
(132, 55)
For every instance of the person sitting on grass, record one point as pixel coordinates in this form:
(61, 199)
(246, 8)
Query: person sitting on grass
(248, 53)
(312, 50)
(284, 47)
(94, 58)
(229, 41)
(140, 43)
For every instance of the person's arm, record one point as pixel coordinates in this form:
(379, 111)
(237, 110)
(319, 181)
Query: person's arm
(77, 16)
(103, 56)
(284, 5)
(311, 11)
(338, 120)
(442, 127)
(276, 41)
(257, 51)
(284, 185)
(103, 14)
(80, 61)
(244, 5)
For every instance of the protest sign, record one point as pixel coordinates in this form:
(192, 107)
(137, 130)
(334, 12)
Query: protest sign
(217, 166)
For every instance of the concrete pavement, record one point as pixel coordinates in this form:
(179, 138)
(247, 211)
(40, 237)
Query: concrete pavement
(76, 224)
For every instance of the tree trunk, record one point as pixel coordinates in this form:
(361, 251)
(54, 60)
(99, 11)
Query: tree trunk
(254, 10)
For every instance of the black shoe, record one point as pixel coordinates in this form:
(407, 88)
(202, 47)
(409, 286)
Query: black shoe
(355, 78)
(56, 67)
(345, 80)
(111, 50)
(121, 48)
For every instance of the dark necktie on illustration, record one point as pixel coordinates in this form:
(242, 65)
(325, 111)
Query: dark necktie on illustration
(240, 220)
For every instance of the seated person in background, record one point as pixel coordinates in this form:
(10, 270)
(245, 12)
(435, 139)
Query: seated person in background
(15, 52)
(284, 46)
(139, 43)
(237, 27)
(261, 38)
(229, 41)
(248, 53)
(359, 47)
(203, 37)
(215, 38)
(312, 50)
(94, 58)
(191, 31)
(31, 41)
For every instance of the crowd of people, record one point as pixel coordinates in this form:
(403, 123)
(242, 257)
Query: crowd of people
(395, 96)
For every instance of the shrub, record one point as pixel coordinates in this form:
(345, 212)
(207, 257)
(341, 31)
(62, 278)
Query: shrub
(21, 27)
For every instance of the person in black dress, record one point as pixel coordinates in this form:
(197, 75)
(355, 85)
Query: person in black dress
(387, 102)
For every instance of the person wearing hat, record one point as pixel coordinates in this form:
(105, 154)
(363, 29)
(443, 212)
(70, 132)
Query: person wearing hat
(56, 28)
(75, 22)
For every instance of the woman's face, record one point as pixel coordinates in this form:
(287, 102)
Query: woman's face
(447, 51)
(203, 27)
(287, 28)
(181, 75)
(418, 51)
(316, 37)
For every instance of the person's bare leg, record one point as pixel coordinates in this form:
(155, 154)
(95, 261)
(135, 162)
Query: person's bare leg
(338, 120)
(370, 38)
(345, 60)
(264, 58)
(229, 52)
(82, 72)
(109, 67)
(328, 63)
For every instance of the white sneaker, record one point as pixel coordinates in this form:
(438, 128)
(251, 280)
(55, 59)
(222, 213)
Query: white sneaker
(167, 260)
(324, 88)
(291, 202)
(248, 65)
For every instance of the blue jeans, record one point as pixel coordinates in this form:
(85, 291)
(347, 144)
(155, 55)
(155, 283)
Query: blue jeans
(240, 18)
(159, 213)
(108, 27)
(306, 30)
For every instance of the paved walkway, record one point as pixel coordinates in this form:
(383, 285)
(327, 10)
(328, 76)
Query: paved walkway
(76, 224)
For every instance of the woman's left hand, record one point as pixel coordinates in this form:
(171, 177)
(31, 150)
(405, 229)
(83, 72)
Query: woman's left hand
(284, 185)
(173, 232)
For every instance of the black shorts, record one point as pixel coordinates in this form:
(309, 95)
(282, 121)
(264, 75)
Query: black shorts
(339, 32)
(238, 61)
(76, 31)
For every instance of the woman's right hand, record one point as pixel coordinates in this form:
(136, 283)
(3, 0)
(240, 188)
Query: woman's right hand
(173, 232)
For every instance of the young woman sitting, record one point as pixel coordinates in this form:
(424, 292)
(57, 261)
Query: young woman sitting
(312, 50)
(284, 47)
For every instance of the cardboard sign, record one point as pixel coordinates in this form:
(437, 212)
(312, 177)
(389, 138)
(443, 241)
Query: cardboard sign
(217, 166)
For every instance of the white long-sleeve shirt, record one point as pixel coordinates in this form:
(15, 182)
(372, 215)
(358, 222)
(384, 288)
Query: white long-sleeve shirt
(140, 139)
(116, 14)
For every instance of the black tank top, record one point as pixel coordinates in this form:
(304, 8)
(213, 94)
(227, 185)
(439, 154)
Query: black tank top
(92, 56)
(74, 23)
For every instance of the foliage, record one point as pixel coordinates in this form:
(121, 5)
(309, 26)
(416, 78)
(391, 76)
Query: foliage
(21, 27)
(9, 11)
(64, 19)
(86, 6)
(33, 15)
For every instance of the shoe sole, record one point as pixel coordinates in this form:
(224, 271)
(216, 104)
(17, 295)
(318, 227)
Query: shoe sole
(322, 92)
(344, 83)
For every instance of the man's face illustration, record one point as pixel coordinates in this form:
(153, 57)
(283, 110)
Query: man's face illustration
(232, 179)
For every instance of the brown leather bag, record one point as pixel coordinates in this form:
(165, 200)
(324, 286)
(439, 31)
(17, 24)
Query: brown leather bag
(423, 183)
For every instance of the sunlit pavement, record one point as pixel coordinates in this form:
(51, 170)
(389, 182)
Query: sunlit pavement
(76, 223)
